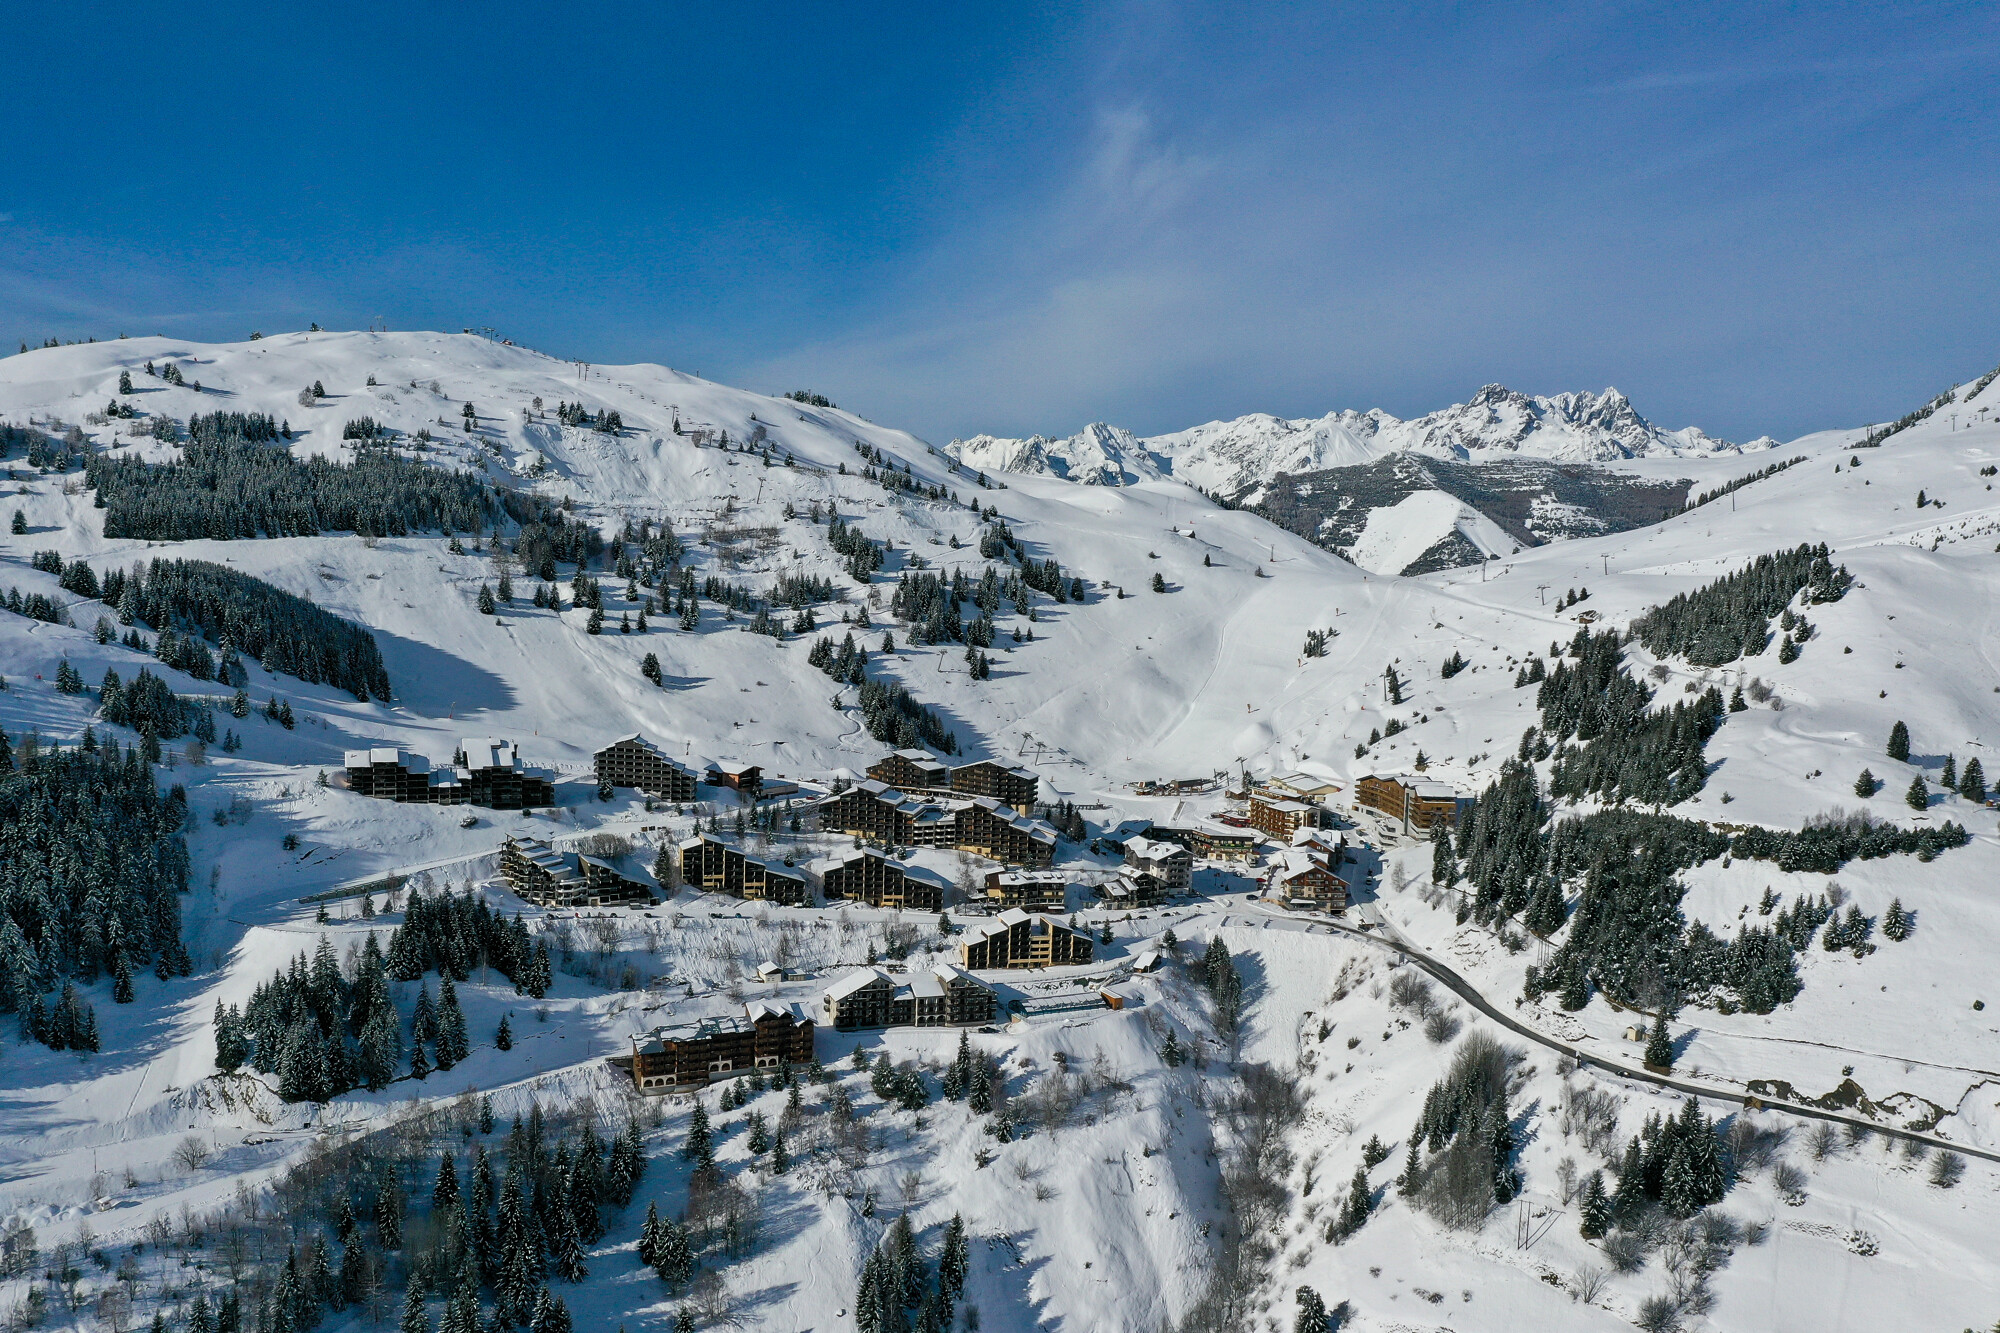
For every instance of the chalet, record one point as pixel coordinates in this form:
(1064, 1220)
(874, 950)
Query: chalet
(634, 761)
(714, 866)
(549, 878)
(746, 778)
(1022, 939)
(1415, 802)
(1016, 888)
(766, 1035)
(868, 876)
(1134, 888)
(911, 770)
(1170, 863)
(941, 996)
(486, 772)
(1015, 787)
(1280, 819)
(1304, 878)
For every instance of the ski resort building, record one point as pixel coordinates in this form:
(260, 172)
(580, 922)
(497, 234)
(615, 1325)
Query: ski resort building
(868, 876)
(1016, 888)
(1022, 939)
(1170, 863)
(766, 1035)
(1134, 888)
(549, 878)
(941, 996)
(1208, 839)
(982, 824)
(911, 770)
(634, 761)
(1304, 877)
(746, 778)
(917, 771)
(1414, 801)
(485, 772)
(1015, 787)
(714, 866)
(1282, 818)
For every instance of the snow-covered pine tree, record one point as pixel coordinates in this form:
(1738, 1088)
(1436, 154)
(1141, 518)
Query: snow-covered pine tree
(1659, 1045)
(1972, 782)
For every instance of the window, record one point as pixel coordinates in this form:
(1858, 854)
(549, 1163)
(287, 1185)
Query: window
(720, 1066)
(767, 1062)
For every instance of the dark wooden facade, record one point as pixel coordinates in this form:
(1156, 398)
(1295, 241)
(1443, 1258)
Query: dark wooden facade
(634, 761)
(1014, 787)
(1022, 939)
(713, 866)
(911, 770)
(869, 877)
(692, 1055)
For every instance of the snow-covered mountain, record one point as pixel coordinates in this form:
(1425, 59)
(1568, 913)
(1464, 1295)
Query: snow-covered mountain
(1236, 458)
(1260, 651)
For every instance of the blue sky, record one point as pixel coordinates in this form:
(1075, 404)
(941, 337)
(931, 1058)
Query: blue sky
(1754, 218)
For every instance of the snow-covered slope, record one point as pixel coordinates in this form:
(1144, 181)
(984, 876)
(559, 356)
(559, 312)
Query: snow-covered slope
(1399, 535)
(1207, 675)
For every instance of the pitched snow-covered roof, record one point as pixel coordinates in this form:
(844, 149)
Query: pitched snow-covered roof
(858, 979)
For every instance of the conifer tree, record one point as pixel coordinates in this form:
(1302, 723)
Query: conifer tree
(649, 667)
(698, 1148)
(1412, 1177)
(674, 1261)
(1594, 1208)
(452, 1045)
(445, 1193)
(1896, 921)
(1864, 785)
(1312, 1316)
(1660, 1046)
(1899, 743)
(781, 1155)
(1948, 780)
(1972, 783)
(414, 1319)
(1918, 797)
(486, 606)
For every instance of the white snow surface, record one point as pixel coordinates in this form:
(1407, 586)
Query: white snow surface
(1207, 676)
(1396, 535)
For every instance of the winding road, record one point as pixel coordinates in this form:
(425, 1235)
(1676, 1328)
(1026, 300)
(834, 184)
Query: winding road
(1465, 990)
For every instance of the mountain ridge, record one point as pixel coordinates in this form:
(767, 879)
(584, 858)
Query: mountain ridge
(1237, 457)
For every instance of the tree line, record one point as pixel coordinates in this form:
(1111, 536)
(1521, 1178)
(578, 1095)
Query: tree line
(1731, 617)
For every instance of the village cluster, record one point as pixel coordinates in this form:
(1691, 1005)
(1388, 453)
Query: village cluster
(1283, 833)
